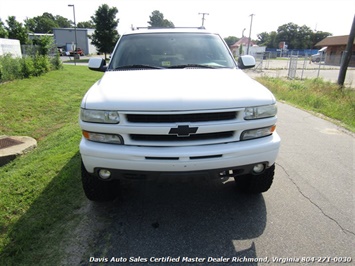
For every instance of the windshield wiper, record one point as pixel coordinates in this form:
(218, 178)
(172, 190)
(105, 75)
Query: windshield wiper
(193, 66)
(133, 66)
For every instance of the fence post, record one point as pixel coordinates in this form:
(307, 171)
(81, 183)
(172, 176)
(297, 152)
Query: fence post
(304, 65)
(292, 66)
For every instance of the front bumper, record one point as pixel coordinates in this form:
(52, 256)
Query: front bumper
(187, 159)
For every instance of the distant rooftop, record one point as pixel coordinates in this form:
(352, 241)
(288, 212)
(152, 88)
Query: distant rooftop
(244, 41)
(334, 40)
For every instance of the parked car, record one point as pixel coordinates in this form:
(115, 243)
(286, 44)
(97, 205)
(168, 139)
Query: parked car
(320, 56)
(78, 51)
(172, 103)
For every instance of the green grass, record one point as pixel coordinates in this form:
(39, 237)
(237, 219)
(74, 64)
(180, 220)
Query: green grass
(71, 60)
(316, 95)
(40, 191)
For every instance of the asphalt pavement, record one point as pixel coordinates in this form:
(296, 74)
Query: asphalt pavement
(306, 216)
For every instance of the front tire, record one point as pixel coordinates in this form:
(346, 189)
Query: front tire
(96, 189)
(256, 184)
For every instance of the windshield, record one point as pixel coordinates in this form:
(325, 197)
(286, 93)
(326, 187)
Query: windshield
(171, 50)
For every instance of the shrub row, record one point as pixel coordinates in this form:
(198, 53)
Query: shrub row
(28, 66)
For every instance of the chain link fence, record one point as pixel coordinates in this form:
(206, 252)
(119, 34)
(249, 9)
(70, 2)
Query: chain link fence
(32, 50)
(301, 67)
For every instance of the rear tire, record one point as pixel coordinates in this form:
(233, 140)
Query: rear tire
(96, 189)
(255, 184)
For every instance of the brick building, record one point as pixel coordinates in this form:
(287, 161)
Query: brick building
(336, 45)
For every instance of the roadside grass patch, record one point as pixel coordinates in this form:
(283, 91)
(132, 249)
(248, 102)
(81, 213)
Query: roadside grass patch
(41, 191)
(316, 95)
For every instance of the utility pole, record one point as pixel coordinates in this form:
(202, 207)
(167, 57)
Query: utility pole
(241, 44)
(203, 18)
(347, 55)
(251, 23)
(76, 40)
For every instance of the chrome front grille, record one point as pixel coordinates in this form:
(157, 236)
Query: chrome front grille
(180, 128)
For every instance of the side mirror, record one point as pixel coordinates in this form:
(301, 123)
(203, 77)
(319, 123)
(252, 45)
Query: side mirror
(246, 61)
(97, 64)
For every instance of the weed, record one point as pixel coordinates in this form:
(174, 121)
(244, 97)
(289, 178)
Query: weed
(316, 95)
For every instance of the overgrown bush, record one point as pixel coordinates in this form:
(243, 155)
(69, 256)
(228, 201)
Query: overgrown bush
(56, 62)
(41, 64)
(27, 67)
(18, 68)
(10, 68)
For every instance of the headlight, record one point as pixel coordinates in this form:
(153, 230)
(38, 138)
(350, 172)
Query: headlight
(260, 112)
(99, 116)
(101, 137)
(257, 133)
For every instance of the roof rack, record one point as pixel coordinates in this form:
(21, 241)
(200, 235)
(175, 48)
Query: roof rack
(160, 28)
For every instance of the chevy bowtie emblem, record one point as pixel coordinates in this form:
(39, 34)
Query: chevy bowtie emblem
(183, 131)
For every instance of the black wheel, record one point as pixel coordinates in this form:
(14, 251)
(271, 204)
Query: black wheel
(96, 189)
(255, 184)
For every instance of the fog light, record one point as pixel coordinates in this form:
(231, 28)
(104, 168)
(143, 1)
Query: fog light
(104, 174)
(258, 168)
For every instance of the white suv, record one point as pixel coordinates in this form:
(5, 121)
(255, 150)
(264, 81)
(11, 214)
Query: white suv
(174, 102)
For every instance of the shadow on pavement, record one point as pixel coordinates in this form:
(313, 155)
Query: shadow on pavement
(186, 219)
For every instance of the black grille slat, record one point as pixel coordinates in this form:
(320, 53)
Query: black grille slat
(206, 157)
(193, 137)
(171, 118)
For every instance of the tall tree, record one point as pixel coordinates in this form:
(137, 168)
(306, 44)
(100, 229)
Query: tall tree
(230, 40)
(3, 31)
(318, 36)
(63, 22)
(157, 21)
(295, 36)
(40, 24)
(304, 36)
(46, 22)
(105, 35)
(16, 30)
(86, 24)
(288, 33)
(268, 39)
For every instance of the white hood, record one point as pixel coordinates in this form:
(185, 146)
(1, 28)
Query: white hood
(176, 90)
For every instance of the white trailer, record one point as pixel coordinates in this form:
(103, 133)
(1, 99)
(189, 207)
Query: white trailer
(10, 46)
